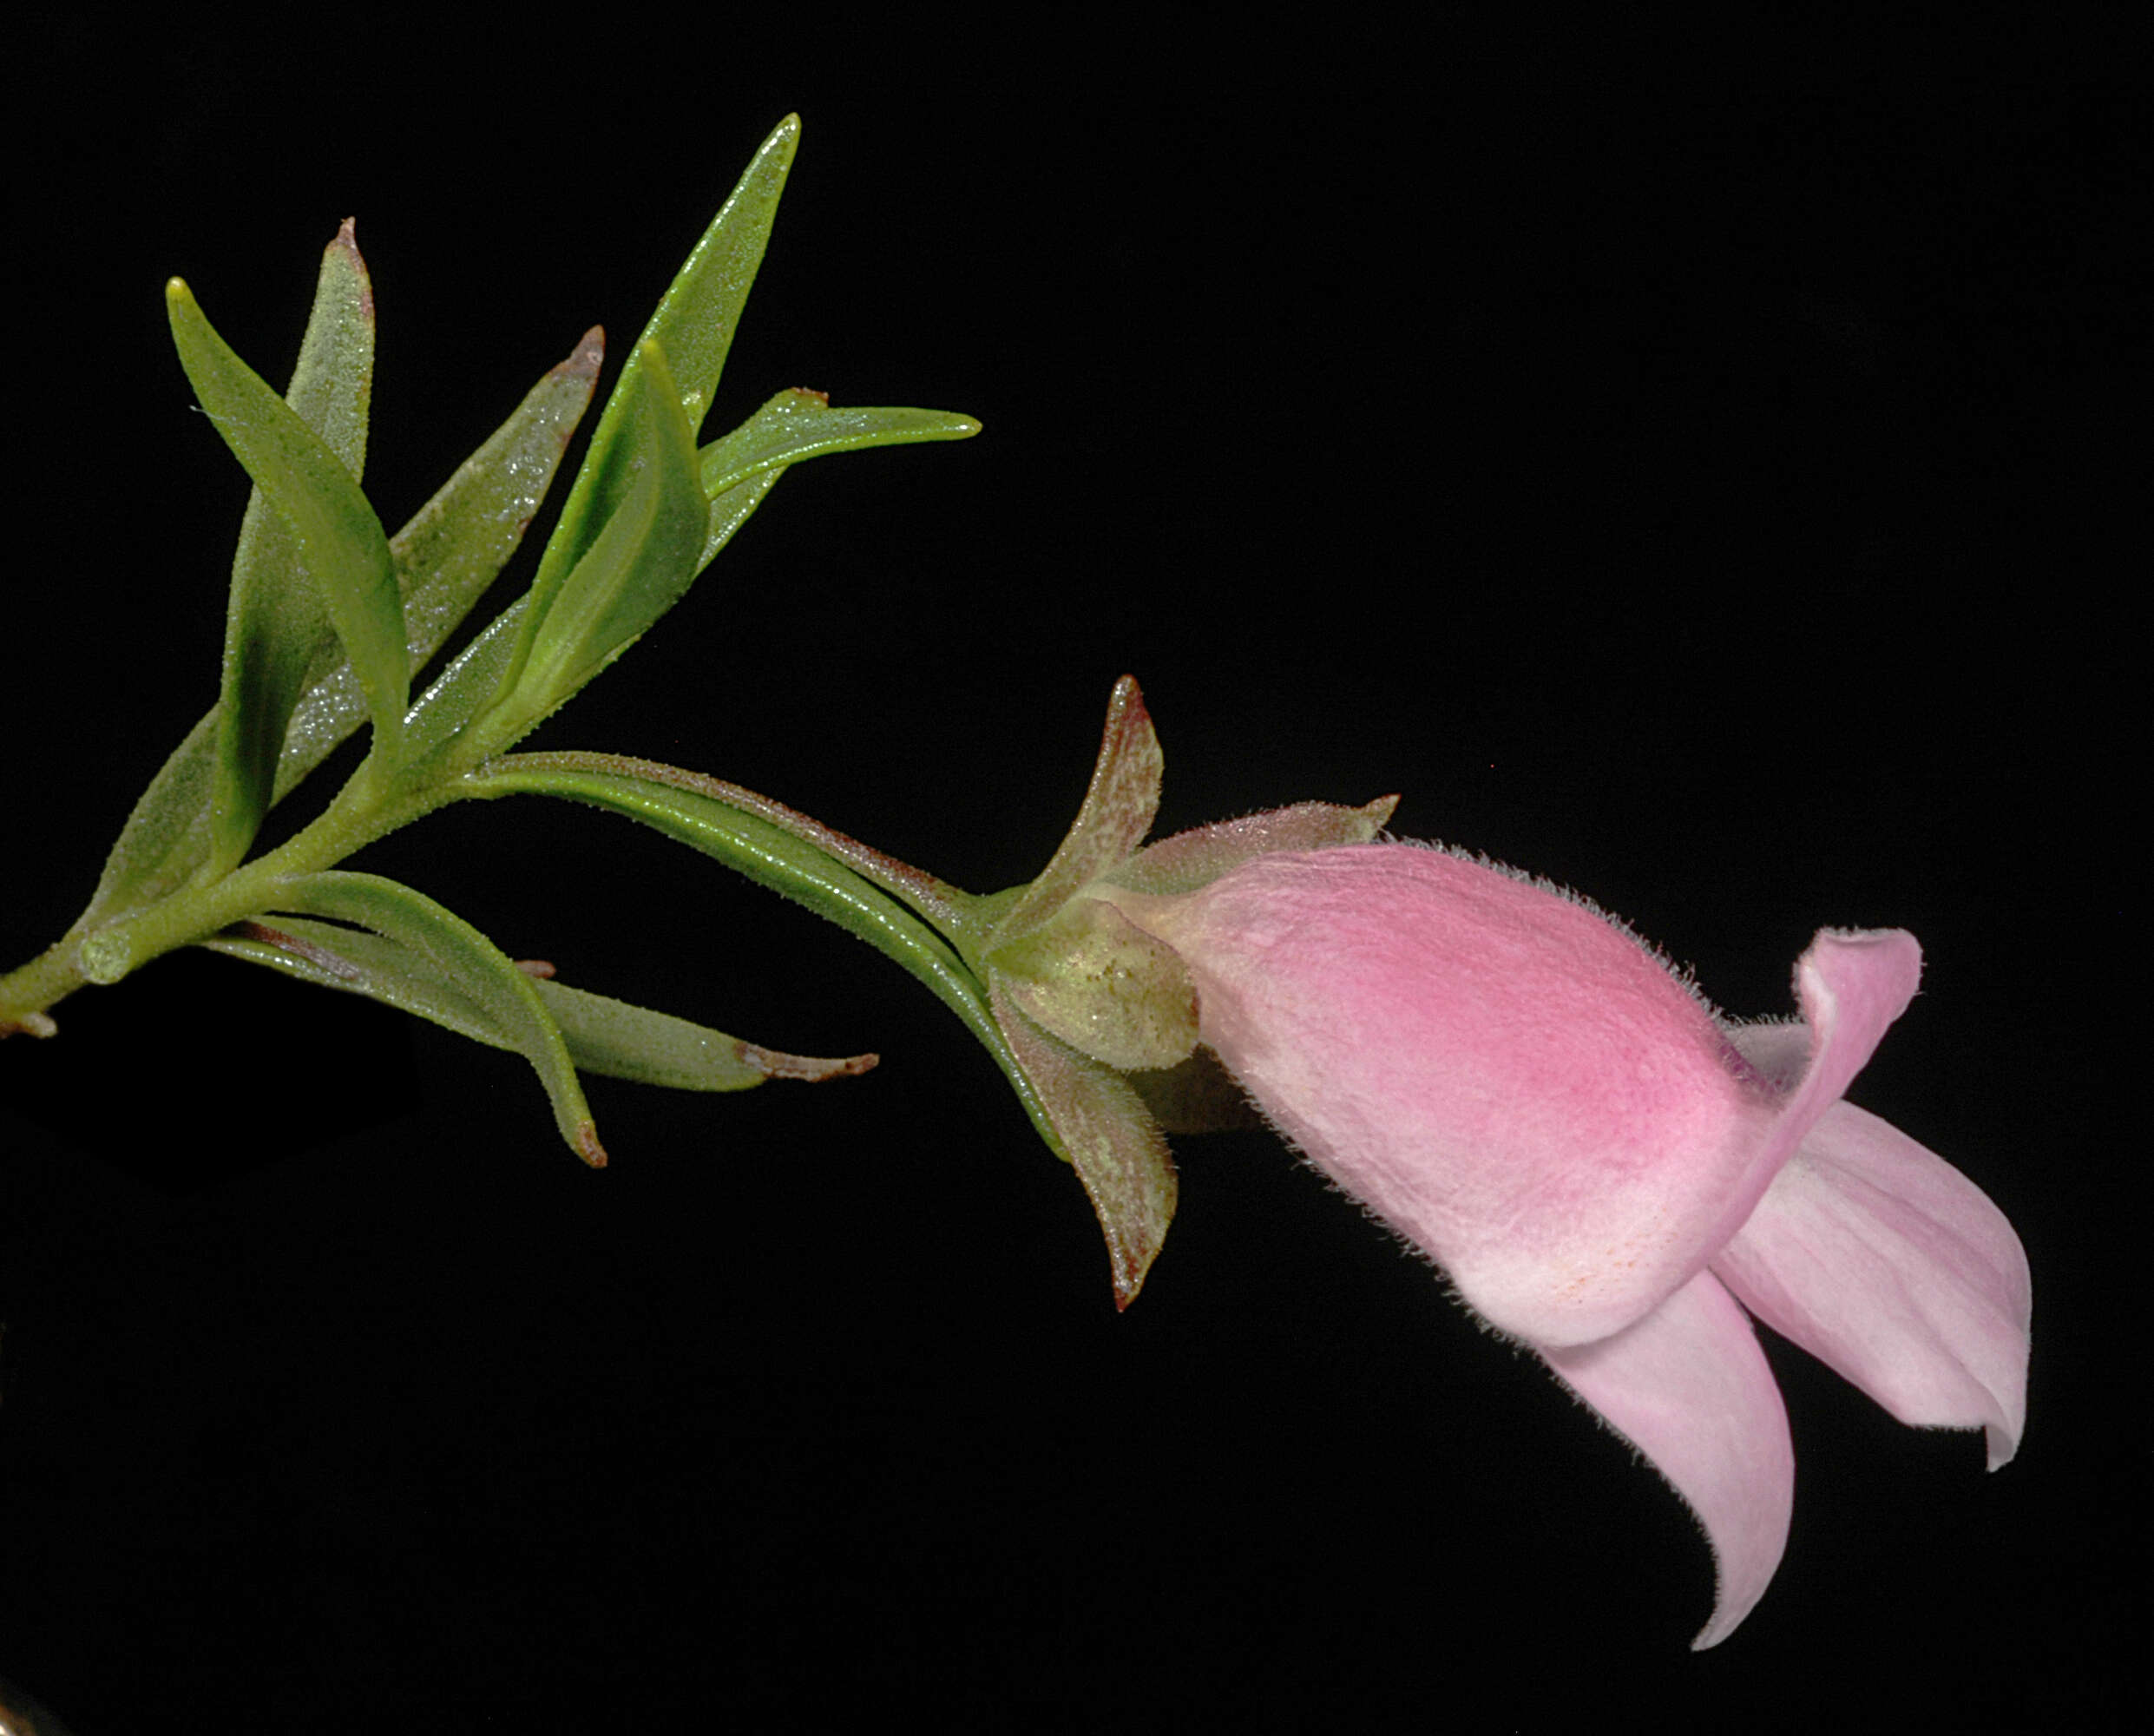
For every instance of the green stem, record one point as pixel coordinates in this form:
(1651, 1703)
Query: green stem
(44, 982)
(104, 952)
(795, 865)
(954, 912)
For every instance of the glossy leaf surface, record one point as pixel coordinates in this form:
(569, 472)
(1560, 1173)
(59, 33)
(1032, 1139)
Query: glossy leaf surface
(762, 852)
(452, 549)
(693, 326)
(178, 819)
(798, 424)
(613, 1038)
(445, 557)
(461, 965)
(640, 563)
(343, 556)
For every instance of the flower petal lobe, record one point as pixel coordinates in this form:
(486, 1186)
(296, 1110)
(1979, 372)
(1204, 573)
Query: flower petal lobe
(1896, 1270)
(1689, 1387)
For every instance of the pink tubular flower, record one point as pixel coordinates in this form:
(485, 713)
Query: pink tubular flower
(1604, 1168)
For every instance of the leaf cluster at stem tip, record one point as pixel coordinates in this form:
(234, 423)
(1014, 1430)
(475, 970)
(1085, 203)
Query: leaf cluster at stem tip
(331, 620)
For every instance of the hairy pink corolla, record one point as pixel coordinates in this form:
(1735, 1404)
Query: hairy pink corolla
(1606, 1170)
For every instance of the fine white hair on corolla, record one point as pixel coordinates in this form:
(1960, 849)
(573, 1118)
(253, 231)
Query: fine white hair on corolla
(1607, 1168)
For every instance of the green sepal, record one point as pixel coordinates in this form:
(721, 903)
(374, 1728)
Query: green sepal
(615, 1039)
(453, 955)
(1198, 1096)
(1088, 1115)
(1195, 858)
(343, 561)
(1100, 983)
(1120, 805)
(1108, 1136)
(639, 566)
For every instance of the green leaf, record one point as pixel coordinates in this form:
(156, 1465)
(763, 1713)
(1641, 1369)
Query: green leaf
(640, 563)
(444, 557)
(624, 1040)
(344, 555)
(465, 688)
(169, 833)
(465, 970)
(700, 310)
(799, 423)
(732, 510)
(179, 820)
(453, 547)
(613, 1038)
(794, 869)
(694, 326)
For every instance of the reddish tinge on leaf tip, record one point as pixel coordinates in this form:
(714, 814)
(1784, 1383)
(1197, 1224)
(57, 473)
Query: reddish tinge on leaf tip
(775, 1064)
(588, 1147)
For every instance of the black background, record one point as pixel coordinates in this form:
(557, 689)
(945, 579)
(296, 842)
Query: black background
(1694, 471)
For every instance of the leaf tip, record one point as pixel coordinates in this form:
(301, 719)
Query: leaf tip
(588, 1147)
(588, 356)
(40, 1025)
(775, 1064)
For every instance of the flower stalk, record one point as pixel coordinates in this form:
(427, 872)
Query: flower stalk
(1611, 1173)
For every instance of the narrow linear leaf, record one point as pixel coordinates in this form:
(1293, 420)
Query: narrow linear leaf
(732, 510)
(700, 311)
(624, 1040)
(169, 831)
(340, 543)
(178, 819)
(452, 549)
(799, 423)
(465, 688)
(693, 324)
(950, 912)
(759, 851)
(642, 562)
(458, 958)
(614, 1038)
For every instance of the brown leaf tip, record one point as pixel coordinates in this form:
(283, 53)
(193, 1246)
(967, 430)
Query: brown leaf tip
(588, 1147)
(588, 356)
(775, 1064)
